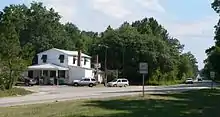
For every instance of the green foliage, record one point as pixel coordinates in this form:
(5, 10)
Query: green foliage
(187, 66)
(26, 31)
(11, 57)
(212, 62)
(147, 41)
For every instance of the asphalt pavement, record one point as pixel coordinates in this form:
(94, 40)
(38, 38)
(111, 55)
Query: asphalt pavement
(46, 94)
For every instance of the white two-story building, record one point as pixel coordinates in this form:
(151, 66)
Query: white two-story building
(62, 64)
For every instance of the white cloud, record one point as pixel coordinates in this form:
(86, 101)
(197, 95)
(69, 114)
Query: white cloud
(119, 9)
(152, 5)
(196, 35)
(116, 9)
(202, 28)
(189, 32)
(113, 8)
(66, 8)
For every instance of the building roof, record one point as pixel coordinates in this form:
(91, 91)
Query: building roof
(80, 67)
(72, 53)
(47, 66)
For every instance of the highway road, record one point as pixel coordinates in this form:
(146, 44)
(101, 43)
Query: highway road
(46, 94)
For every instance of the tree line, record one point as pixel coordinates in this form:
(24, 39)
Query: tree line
(212, 63)
(26, 31)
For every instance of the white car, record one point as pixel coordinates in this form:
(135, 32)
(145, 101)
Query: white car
(121, 82)
(189, 81)
(85, 82)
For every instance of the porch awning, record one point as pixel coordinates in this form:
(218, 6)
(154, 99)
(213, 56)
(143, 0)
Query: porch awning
(47, 67)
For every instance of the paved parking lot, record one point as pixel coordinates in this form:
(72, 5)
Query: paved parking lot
(61, 93)
(71, 89)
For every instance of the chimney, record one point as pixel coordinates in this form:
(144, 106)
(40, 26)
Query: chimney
(79, 58)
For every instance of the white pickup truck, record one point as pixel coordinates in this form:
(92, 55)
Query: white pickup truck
(85, 82)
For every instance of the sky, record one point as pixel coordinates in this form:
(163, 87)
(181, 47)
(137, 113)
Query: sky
(191, 21)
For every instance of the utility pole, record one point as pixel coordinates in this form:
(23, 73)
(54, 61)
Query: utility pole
(143, 83)
(123, 61)
(96, 67)
(106, 65)
(106, 48)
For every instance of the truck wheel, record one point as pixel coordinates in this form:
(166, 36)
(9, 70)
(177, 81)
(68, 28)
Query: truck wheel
(114, 85)
(76, 84)
(125, 85)
(91, 85)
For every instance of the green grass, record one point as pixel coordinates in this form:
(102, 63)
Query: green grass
(14, 92)
(153, 82)
(217, 81)
(203, 103)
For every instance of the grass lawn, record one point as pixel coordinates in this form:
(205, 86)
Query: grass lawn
(218, 81)
(14, 92)
(203, 103)
(161, 83)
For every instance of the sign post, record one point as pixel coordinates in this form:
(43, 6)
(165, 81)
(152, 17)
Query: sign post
(143, 69)
(212, 75)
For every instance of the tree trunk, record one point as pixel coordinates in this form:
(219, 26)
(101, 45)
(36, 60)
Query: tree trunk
(10, 83)
(10, 79)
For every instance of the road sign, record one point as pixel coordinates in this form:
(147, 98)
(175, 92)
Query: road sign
(212, 75)
(143, 68)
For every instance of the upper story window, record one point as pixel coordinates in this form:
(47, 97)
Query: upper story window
(61, 57)
(74, 60)
(85, 60)
(44, 58)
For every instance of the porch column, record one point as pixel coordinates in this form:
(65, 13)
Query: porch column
(39, 74)
(48, 72)
(67, 77)
(42, 73)
(48, 78)
(41, 78)
(57, 77)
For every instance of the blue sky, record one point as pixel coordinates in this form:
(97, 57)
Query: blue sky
(191, 21)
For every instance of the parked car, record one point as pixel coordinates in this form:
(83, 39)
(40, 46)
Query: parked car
(121, 82)
(85, 82)
(30, 81)
(26, 81)
(189, 81)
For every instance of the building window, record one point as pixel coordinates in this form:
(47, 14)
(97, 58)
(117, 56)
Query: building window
(44, 58)
(85, 60)
(52, 74)
(74, 60)
(61, 57)
(61, 74)
(30, 74)
(45, 73)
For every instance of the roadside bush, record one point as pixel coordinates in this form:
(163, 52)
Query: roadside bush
(2, 87)
(14, 92)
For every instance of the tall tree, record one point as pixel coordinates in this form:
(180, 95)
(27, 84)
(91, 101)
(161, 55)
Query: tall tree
(212, 62)
(11, 55)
